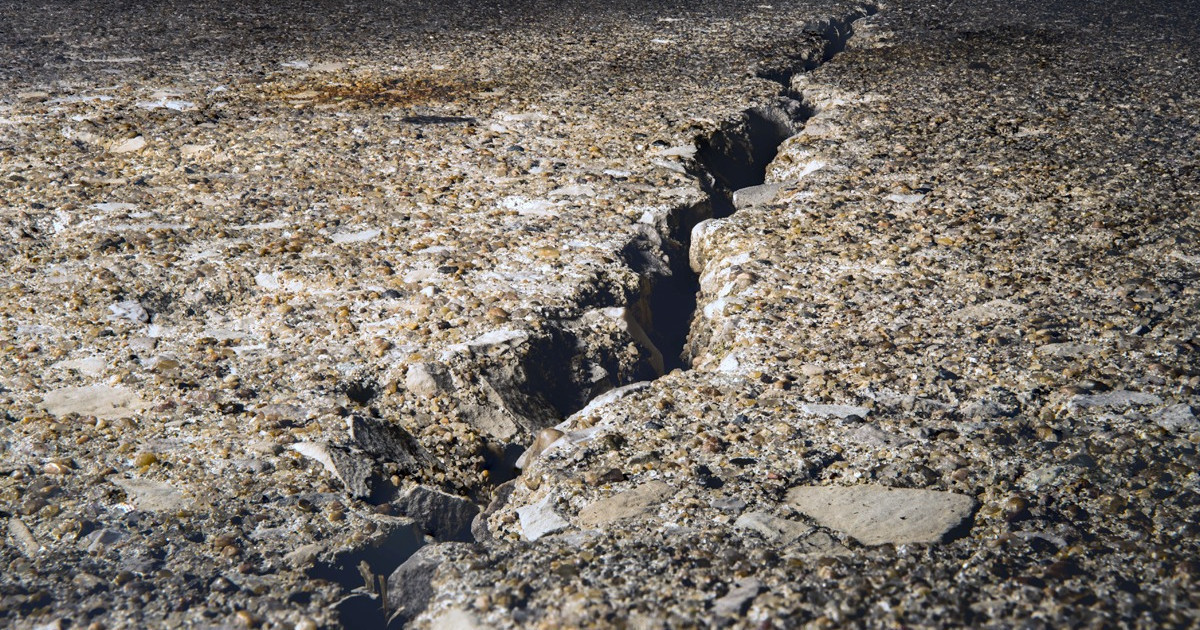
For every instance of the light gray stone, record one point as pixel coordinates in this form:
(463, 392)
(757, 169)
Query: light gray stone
(1068, 350)
(738, 599)
(773, 528)
(834, 411)
(630, 504)
(760, 195)
(794, 535)
(875, 515)
(1116, 399)
(427, 379)
(733, 505)
(540, 519)
(352, 469)
(152, 496)
(990, 311)
(101, 401)
(130, 310)
(101, 539)
(1176, 418)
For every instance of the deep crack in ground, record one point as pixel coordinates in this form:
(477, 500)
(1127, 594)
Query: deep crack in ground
(661, 318)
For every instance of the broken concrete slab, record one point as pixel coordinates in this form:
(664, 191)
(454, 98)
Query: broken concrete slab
(835, 411)
(1116, 399)
(794, 535)
(428, 379)
(760, 195)
(1180, 417)
(738, 599)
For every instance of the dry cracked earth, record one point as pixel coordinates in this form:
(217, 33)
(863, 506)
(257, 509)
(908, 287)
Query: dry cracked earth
(649, 315)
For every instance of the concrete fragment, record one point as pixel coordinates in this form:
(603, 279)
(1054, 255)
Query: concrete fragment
(1068, 350)
(1116, 399)
(611, 396)
(427, 379)
(871, 435)
(100, 540)
(539, 519)
(479, 526)
(388, 442)
(445, 516)
(834, 411)
(1176, 418)
(130, 145)
(760, 195)
(101, 401)
(410, 585)
(793, 535)
(353, 470)
(773, 528)
(738, 599)
(875, 515)
(630, 504)
(989, 311)
(733, 505)
(87, 366)
(152, 496)
(24, 539)
(303, 556)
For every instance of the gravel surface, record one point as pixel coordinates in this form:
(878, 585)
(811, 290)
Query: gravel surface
(796, 314)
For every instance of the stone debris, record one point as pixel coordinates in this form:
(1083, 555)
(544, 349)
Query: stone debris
(389, 442)
(101, 401)
(444, 516)
(876, 515)
(410, 585)
(640, 501)
(540, 519)
(353, 470)
(1119, 399)
(1180, 417)
(147, 494)
(738, 599)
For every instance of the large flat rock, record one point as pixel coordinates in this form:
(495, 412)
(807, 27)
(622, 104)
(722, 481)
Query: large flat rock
(101, 401)
(876, 515)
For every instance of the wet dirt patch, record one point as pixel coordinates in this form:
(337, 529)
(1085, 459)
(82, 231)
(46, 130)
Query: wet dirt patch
(371, 91)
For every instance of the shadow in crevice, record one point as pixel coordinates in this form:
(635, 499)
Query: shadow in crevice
(734, 157)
